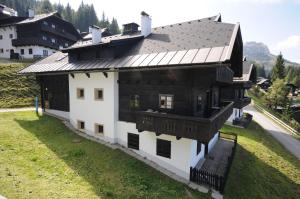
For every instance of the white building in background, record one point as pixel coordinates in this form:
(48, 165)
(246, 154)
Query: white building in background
(35, 36)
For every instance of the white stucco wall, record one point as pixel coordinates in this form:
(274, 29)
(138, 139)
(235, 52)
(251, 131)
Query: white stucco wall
(213, 141)
(182, 151)
(93, 111)
(36, 51)
(5, 42)
(235, 114)
(59, 114)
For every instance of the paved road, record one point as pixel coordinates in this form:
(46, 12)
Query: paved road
(283, 136)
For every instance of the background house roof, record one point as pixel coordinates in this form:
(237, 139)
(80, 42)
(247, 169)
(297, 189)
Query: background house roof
(248, 71)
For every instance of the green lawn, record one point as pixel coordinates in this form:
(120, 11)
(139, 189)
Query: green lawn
(262, 168)
(16, 90)
(38, 159)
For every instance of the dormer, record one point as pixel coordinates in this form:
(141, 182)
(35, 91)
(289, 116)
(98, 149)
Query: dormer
(130, 28)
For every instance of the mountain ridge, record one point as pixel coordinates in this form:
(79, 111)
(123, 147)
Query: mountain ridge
(259, 53)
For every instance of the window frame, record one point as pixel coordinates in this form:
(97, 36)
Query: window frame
(96, 97)
(166, 96)
(22, 51)
(78, 93)
(1, 37)
(161, 145)
(79, 125)
(97, 125)
(131, 137)
(30, 51)
(11, 36)
(134, 101)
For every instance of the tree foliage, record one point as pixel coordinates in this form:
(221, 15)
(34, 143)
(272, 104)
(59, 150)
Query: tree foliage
(82, 18)
(277, 94)
(278, 71)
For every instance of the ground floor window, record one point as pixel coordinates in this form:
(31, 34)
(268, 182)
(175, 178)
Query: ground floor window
(1, 50)
(80, 125)
(163, 148)
(30, 51)
(22, 51)
(133, 141)
(45, 53)
(99, 128)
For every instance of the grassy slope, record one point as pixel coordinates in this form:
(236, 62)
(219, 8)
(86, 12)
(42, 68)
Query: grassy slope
(16, 90)
(262, 168)
(39, 160)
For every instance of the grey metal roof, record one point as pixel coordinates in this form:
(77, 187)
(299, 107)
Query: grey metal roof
(202, 41)
(38, 18)
(247, 70)
(58, 62)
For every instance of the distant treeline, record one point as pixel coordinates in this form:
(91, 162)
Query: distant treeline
(81, 18)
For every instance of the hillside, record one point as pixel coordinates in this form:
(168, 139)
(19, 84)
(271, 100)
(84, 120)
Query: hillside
(16, 90)
(260, 53)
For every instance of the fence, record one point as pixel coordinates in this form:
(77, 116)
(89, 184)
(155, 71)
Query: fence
(215, 181)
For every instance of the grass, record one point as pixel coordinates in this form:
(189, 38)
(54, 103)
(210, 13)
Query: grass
(16, 90)
(39, 159)
(262, 167)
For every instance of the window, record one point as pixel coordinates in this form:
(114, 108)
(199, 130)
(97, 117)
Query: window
(53, 26)
(53, 40)
(134, 101)
(66, 44)
(1, 37)
(44, 38)
(166, 101)
(80, 125)
(30, 51)
(11, 36)
(199, 103)
(133, 141)
(22, 51)
(163, 148)
(198, 147)
(45, 23)
(1, 50)
(80, 93)
(45, 53)
(98, 92)
(215, 97)
(99, 128)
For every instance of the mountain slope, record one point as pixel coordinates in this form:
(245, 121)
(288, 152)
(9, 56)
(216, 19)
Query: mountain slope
(260, 53)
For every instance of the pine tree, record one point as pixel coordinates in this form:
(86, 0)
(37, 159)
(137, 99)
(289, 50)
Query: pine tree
(278, 71)
(114, 27)
(277, 94)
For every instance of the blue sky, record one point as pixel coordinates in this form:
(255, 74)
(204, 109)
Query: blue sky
(273, 22)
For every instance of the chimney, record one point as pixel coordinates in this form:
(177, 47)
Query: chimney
(30, 13)
(145, 24)
(96, 34)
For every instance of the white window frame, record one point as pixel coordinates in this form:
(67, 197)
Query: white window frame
(169, 101)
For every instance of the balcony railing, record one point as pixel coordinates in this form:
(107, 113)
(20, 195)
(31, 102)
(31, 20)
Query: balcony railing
(202, 129)
(34, 41)
(242, 102)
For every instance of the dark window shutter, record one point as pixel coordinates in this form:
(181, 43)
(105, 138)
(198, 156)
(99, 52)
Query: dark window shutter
(133, 141)
(163, 148)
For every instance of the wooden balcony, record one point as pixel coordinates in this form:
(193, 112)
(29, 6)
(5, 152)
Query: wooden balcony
(59, 32)
(241, 102)
(34, 41)
(202, 129)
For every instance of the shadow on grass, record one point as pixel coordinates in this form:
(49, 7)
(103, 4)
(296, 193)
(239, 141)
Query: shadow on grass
(111, 173)
(250, 178)
(259, 135)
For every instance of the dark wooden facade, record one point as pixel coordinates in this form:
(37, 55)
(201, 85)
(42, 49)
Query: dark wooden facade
(188, 117)
(236, 93)
(55, 92)
(43, 31)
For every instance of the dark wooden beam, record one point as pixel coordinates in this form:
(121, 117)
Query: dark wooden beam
(178, 137)
(72, 75)
(88, 75)
(105, 74)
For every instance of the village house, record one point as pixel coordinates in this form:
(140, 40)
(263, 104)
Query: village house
(157, 91)
(35, 36)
